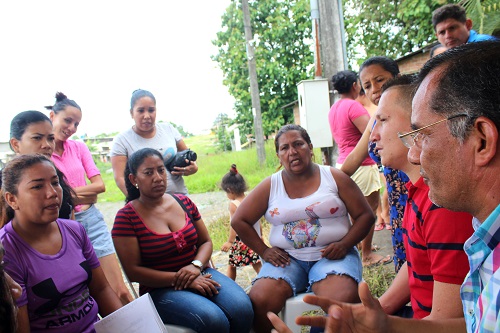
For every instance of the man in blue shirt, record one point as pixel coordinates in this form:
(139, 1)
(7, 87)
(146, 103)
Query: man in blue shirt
(453, 28)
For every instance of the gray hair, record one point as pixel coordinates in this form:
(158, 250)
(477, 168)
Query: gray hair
(469, 82)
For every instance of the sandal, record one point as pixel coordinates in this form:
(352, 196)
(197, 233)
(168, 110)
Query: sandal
(388, 227)
(380, 226)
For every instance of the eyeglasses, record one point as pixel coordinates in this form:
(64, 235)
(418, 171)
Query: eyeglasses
(411, 138)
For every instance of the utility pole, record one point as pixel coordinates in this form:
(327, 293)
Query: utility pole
(333, 53)
(254, 85)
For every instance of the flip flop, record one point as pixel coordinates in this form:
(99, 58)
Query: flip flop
(379, 227)
(388, 227)
(383, 261)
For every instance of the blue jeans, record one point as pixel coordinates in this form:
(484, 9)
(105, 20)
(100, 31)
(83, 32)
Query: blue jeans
(97, 230)
(228, 311)
(301, 275)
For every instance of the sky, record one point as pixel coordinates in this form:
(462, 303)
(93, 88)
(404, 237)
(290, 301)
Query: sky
(98, 52)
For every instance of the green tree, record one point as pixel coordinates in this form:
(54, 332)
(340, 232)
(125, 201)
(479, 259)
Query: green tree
(181, 130)
(282, 32)
(485, 15)
(390, 28)
(222, 136)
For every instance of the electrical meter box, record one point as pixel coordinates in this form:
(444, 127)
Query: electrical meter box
(314, 105)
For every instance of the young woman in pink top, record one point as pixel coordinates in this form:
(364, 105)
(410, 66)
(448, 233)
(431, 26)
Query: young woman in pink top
(73, 158)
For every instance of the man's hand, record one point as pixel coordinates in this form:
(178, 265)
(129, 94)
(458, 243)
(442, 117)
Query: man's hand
(278, 324)
(344, 317)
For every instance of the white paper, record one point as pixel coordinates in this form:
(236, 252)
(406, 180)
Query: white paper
(137, 316)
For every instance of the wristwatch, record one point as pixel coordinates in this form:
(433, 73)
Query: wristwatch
(198, 264)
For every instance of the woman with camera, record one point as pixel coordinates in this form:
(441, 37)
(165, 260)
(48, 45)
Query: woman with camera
(146, 133)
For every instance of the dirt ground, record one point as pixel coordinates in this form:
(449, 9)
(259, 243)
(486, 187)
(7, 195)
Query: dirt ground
(213, 205)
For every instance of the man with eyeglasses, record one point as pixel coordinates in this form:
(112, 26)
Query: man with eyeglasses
(461, 165)
(433, 236)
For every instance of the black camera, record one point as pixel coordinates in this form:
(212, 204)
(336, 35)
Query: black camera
(179, 159)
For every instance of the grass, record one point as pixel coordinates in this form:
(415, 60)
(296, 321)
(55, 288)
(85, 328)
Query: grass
(212, 166)
(113, 193)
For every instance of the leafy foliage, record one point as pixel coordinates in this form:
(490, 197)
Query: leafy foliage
(485, 15)
(282, 31)
(181, 130)
(222, 136)
(387, 27)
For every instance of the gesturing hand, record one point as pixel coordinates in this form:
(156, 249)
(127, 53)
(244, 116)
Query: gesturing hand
(185, 276)
(278, 324)
(344, 317)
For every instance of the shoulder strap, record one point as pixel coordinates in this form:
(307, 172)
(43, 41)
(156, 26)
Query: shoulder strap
(179, 201)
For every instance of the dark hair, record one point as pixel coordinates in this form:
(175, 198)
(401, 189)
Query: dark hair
(468, 81)
(8, 322)
(386, 63)
(448, 11)
(134, 162)
(343, 81)
(11, 176)
(22, 120)
(291, 127)
(61, 103)
(405, 84)
(233, 181)
(435, 48)
(138, 94)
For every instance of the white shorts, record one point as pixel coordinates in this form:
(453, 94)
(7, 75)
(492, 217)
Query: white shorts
(367, 178)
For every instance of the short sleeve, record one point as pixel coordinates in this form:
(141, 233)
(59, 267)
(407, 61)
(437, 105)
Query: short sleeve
(357, 110)
(190, 206)
(123, 226)
(445, 236)
(16, 271)
(118, 148)
(172, 131)
(88, 163)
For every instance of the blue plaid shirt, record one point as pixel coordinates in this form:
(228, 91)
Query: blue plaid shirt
(480, 291)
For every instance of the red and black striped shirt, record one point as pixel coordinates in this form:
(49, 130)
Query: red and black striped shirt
(164, 252)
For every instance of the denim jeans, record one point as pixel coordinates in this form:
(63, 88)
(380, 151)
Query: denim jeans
(228, 311)
(301, 275)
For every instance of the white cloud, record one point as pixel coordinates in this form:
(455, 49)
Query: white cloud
(98, 52)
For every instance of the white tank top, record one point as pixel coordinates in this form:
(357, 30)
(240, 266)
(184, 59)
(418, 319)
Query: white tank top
(304, 226)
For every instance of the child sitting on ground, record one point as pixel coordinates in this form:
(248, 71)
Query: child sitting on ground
(240, 254)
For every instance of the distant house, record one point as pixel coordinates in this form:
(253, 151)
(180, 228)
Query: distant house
(101, 146)
(412, 62)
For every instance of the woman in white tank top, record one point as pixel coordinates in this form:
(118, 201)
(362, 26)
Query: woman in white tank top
(312, 241)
